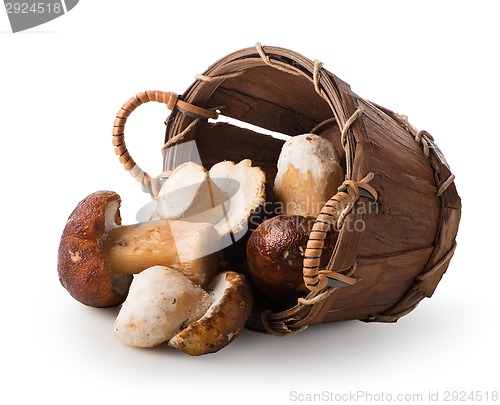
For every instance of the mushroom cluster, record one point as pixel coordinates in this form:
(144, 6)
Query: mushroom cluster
(309, 174)
(169, 274)
(165, 272)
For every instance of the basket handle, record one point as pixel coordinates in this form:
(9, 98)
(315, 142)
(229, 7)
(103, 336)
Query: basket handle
(333, 214)
(172, 101)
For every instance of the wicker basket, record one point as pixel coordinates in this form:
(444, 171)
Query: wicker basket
(392, 254)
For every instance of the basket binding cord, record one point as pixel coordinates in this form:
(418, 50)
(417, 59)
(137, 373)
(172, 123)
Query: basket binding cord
(333, 213)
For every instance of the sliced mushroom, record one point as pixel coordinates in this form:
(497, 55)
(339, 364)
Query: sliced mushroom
(161, 301)
(244, 187)
(225, 319)
(227, 196)
(189, 194)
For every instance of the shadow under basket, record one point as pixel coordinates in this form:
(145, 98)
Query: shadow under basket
(395, 242)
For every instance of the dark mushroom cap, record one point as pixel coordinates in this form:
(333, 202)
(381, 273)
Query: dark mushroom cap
(223, 321)
(275, 256)
(81, 267)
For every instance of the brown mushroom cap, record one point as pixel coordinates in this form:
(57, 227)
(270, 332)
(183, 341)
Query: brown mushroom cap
(275, 256)
(225, 319)
(82, 269)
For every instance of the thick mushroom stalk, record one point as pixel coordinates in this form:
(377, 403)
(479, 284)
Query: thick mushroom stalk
(185, 246)
(97, 256)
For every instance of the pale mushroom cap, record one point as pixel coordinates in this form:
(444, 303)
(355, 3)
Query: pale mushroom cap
(309, 174)
(307, 152)
(161, 302)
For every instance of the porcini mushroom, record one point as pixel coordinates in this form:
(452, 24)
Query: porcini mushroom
(225, 196)
(161, 301)
(97, 256)
(81, 267)
(191, 195)
(244, 187)
(223, 321)
(309, 174)
(275, 256)
(233, 189)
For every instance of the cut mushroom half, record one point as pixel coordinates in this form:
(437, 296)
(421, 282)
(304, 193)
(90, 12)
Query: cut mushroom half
(189, 194)
(244, 187)
(225, 196)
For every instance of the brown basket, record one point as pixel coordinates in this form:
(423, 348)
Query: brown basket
(397, 213)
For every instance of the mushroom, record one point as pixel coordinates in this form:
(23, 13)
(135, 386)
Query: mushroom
(97, 256)
(309, 174)
(244, 188)
(161, 301)
(165, 306)
(225, 196)
(275, 256)
(224, 320)
(191, 195)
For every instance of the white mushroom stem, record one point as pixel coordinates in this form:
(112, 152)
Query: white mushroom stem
(309, 174)
(185, 246)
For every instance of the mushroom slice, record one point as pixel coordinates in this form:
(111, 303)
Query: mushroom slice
(244, 187)
(225, 319)
(161, 301)
(225, 196)
(191, 195)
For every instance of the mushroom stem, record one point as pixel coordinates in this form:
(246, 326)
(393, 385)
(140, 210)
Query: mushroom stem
(132, 248)
(189, 247)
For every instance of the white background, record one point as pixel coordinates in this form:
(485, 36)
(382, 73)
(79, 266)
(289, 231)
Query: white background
(60, 86)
